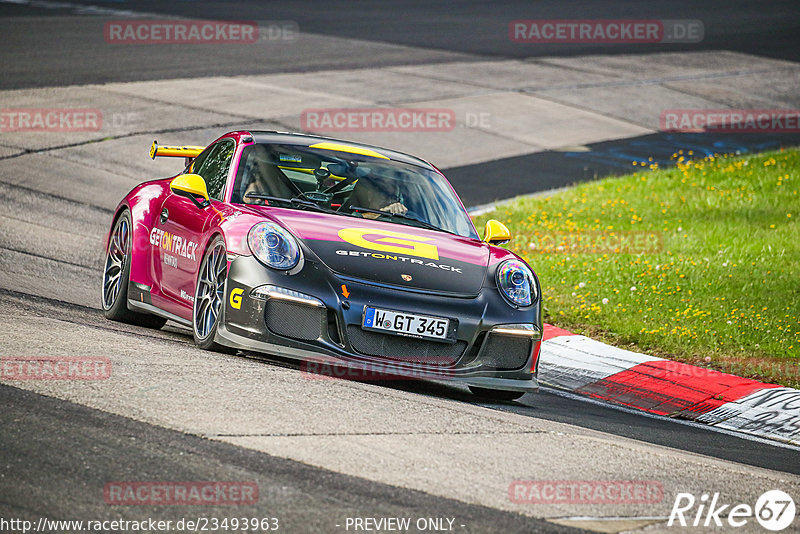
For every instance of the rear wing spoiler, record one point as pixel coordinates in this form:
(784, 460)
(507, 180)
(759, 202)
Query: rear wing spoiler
(187, 152)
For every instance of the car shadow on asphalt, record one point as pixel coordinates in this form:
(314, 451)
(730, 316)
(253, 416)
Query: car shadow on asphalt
(552, 405)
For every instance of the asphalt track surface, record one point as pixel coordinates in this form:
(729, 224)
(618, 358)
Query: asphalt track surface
(62, 53)
(49, 43)
(56, 455)
(45, 462)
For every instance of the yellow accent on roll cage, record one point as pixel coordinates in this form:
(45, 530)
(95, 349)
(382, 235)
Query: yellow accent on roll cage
(338, 147)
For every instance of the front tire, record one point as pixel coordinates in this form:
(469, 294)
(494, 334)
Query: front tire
(116, 276)
(496, 394)
(209, 296)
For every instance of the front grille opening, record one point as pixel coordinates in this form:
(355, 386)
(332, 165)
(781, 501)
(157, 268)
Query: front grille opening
(505, 352)
(294, 320)
(405, 349)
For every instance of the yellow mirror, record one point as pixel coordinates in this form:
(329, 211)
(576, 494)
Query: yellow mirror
(496, 233)
(190, 185)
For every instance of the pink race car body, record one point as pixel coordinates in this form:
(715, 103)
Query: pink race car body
(325, 250)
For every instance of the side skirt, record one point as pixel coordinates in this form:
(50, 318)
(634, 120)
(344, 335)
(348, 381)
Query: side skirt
(139, 301)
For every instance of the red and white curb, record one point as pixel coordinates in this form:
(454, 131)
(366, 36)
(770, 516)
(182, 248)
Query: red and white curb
(587, 367)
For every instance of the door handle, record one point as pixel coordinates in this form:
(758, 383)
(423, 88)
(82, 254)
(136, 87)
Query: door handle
(164, 215)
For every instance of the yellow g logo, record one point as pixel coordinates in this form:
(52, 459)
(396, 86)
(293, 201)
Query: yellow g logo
(236, 298)
(411, 244)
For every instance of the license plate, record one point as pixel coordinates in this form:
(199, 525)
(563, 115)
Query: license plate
(406, 324)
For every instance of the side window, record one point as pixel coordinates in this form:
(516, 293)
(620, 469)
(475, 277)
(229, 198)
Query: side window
(198, 161)
(214, 167)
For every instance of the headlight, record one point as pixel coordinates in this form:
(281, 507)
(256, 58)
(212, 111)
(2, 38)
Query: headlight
(273, 246)
(516, 283)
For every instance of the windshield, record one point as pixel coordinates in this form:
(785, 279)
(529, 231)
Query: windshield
(347, 184)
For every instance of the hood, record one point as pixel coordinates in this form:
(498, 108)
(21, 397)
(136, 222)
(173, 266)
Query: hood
(390, 253)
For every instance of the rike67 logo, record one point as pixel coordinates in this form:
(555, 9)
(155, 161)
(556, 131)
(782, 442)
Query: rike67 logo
(774, 510)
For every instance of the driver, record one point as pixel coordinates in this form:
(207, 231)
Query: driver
(375, 193)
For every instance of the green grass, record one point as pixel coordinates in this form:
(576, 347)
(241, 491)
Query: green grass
(720, 284)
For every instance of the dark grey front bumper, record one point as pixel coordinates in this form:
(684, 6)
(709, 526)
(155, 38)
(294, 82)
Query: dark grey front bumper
(305, 316)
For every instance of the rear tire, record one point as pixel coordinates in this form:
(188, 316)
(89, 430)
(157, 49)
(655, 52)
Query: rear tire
(496, 394)
(209, 296)
(116, 276)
